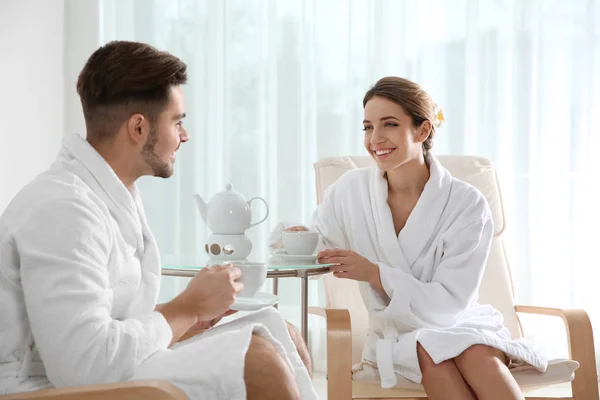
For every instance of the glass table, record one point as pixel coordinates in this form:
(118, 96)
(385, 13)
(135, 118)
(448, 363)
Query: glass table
(274, 272)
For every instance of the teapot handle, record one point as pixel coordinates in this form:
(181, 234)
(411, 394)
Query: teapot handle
(266, 205)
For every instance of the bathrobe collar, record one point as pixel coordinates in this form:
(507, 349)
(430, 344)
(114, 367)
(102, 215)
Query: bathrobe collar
(420, 228)
(125, 205)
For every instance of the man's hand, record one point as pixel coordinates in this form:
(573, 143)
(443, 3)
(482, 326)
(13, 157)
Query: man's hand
(212, 291)
(204, 325)
(207, 298)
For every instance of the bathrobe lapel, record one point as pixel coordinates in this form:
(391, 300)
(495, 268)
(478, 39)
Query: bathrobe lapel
(150, 254)
(420, 228)
(403, 250)
(390, 252)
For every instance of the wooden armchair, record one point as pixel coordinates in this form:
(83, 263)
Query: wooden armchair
(130, 390)
(347, 319)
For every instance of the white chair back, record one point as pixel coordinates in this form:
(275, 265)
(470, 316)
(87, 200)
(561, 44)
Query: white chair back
(496, 287)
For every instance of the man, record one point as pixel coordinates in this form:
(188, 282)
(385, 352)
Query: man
(80, 271)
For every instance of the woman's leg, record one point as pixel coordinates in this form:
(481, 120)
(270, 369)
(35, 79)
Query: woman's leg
(485, 370)
(442, 381)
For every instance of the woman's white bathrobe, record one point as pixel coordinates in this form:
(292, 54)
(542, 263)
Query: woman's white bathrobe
(79, 280)
(431, 271)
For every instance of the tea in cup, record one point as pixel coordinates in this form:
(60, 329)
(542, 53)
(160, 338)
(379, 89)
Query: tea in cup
(253, 277)
(300, 243)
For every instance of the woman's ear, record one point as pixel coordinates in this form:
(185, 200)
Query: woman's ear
(424, 131)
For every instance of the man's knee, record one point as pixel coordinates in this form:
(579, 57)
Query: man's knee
(266, 374)
(296, 336)
(300, 346)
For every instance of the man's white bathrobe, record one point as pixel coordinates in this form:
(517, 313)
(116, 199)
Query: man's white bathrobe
(431, 271)
(79, 279)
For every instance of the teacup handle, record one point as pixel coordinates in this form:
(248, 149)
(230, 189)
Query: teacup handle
(266, 205)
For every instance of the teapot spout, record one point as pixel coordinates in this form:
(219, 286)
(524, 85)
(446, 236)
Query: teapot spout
(202, 206)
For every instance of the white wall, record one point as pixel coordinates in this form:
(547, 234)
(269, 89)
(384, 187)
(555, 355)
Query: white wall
(32, 87)
(83, 35)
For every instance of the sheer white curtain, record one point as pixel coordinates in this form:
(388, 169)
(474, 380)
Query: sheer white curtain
(275, 85)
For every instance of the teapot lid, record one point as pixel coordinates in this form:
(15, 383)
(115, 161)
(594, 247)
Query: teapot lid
(230, 194)
(228, 190)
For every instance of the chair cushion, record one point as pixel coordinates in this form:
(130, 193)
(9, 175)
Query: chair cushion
(497, 287)
(559, 371)
(528, 378)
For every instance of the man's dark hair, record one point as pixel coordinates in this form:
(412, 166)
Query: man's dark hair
(123, 78)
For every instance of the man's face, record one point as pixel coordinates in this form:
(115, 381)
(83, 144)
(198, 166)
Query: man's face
(166, 135)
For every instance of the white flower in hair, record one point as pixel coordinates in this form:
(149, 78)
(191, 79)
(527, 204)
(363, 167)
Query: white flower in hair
(439, 118)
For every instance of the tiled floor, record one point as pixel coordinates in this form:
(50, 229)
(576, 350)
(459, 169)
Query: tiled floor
(563, 390)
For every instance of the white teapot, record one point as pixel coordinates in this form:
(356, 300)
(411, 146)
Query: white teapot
(228, 212)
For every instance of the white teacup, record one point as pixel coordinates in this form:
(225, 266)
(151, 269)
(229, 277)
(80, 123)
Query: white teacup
(300, 243)
(253, 277)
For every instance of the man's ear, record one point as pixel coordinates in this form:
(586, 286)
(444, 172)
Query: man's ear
(138, 128)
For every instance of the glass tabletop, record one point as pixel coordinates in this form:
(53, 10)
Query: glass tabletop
(270, 267)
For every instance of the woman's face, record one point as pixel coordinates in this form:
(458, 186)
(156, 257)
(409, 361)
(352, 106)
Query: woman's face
(390, 137)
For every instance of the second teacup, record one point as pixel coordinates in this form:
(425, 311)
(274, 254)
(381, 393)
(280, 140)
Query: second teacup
(300, 243)
(253, 277)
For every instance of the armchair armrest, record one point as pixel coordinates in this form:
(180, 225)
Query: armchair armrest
(130, 390)
(581, 347)
(339, 352)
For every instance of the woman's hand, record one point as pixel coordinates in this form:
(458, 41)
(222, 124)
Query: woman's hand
(351, 265)
(296, 229)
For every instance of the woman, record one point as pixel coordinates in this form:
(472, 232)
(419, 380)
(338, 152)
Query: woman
(418, 239)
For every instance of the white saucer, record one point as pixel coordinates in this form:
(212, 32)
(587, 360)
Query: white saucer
(260, 300)
(284, 256)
